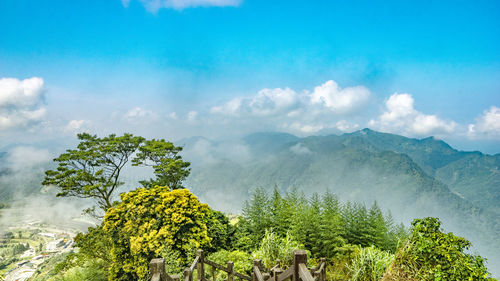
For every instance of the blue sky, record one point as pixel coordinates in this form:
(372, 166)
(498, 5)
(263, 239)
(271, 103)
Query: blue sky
(177, 68)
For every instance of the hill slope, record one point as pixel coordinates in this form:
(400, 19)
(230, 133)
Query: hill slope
(411, 177)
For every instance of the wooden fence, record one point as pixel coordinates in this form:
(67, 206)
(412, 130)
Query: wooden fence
(298, 271)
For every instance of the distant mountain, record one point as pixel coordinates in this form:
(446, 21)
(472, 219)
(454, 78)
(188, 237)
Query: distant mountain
(472, 175)
(411, 177)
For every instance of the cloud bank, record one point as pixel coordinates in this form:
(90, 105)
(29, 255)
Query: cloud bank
(401, 117)
(303, 112)
(21, 102)
(487, 125)
(326, 108)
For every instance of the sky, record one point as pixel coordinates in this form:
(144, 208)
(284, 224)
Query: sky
(226, 68)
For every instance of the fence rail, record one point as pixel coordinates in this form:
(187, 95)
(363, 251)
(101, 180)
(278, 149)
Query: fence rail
(298, 271)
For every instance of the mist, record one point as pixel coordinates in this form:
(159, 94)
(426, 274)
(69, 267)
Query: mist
(226, 171)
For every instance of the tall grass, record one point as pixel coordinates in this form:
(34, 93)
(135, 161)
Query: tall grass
(369, 264)
(273, 247)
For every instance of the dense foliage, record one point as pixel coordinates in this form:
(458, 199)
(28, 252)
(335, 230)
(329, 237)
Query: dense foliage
(93, 169)
(431, 254)
(321, 224)
(148, 220)
(169, 168)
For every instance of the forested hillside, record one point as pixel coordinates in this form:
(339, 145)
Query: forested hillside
(411, 177)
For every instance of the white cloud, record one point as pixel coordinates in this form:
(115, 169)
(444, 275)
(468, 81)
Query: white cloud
(304, 128)
(26, 157)
(154, 5)
(346, 126)
(301, 112)
(339, 100)
(401, 117)
(265, 103)
(21, 102)
(326, 99)
(77, 126)
(487, 124)
(173, 115)
(300, 149)
(140, 115)
(192, 115)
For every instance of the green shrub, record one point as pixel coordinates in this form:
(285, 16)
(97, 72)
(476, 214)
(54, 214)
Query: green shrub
(431, 254)
(242, 262)
(87, 272)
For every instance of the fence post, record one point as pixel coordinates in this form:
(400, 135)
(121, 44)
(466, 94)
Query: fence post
(214, 274)
(230, 268)
(322, 276)
(277, 272)
(188, 275)
(157, 266)
(200, 267)
(299, 256)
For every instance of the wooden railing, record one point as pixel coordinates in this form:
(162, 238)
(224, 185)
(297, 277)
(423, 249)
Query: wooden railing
(298, 271)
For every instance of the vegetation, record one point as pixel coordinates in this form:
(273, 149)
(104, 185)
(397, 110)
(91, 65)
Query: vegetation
(93, 169)
(369, 264)
(148, 220)
(424, 177)
(169, 168)
(431, 254)
(359, 242)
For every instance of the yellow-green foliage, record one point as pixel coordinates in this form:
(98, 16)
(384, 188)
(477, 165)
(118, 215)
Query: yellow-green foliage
(242, 262)
(147, 221)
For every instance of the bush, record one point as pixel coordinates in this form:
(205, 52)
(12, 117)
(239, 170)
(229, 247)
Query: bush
(88, 272)
(242, 261)
(431, 254)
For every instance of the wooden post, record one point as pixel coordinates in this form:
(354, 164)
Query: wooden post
(200, 266)
(230, 268)
(322, 276)
(157, 266)
(188, 275)
(277, 272)
(299, 256)
(214, 274)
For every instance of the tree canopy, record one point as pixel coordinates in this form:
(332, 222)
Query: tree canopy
(93, 169)
(169, 168)
(147, 221)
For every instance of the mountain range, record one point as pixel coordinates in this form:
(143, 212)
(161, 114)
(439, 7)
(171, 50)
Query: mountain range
(410, 177)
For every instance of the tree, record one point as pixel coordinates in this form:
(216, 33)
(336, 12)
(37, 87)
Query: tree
(93, 169)
(147, 221)
(169, 168)
(255, 220)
